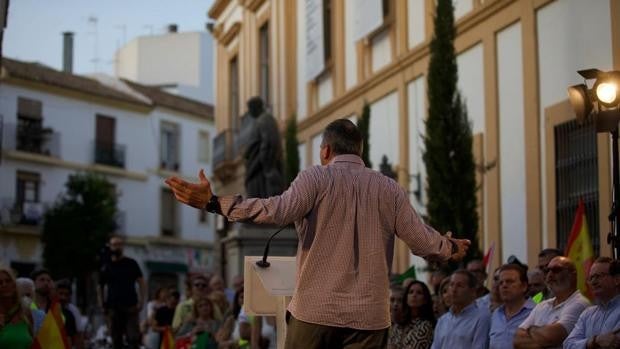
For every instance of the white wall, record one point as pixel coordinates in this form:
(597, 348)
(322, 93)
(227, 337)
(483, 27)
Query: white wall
(512, 142)
(303, 158)
(302, 106)
(572, 35)
(461, 8)
(416, 22)
(350, 52)
(173, 58)
(325, 89)
(384, 130)
(416, 95)
(381, 51)
(316, 149)
(471, 85)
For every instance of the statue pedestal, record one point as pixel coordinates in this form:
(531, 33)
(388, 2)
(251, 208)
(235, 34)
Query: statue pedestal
(249, 240)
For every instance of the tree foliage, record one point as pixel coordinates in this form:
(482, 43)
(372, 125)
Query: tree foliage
(448, 142)
(292, 150)
(76, 227)
(364, 126)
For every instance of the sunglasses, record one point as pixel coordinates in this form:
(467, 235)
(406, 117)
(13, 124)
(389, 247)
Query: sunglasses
(554, 270)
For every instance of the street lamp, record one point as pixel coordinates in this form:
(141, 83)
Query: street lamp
(601, 103)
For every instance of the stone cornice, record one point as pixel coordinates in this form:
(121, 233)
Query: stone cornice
(218, 7)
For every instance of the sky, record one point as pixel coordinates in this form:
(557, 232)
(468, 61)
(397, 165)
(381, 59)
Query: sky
(34, 28)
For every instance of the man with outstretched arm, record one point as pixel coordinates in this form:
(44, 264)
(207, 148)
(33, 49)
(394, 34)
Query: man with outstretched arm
(346, 217)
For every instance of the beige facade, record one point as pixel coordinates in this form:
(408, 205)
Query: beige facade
(515, 57)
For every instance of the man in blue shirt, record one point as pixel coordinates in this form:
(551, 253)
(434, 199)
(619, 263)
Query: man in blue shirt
(466, 325)
(599, 325)
(513, 287)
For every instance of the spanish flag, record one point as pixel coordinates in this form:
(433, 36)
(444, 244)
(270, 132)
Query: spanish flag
(579, 249)
(52, 333)
(167, 339)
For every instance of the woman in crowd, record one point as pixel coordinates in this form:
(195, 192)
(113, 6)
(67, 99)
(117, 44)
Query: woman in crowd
(418, 321)
(237, 329)
(15, 320)
(152, 337)
(444, 293)
(202, 326)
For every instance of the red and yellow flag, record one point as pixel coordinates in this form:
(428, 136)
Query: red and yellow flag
(579, 249)
(167, 339)
(52, 334)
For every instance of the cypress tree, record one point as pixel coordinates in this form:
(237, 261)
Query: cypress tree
(448, 157)
(364, 125)
(292, 150)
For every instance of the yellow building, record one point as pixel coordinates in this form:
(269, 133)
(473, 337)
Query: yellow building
(515, 58)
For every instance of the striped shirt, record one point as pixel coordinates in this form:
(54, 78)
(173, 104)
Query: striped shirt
(346, 216)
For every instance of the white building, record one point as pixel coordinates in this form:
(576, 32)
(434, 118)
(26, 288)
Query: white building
(181, 63)
(55, 124)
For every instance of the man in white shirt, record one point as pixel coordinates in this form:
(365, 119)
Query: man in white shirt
(552, 320)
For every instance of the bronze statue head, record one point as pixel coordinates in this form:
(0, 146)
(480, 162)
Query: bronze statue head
(255, 106)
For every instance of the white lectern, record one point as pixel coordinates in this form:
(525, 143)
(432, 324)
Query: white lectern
(267, 291)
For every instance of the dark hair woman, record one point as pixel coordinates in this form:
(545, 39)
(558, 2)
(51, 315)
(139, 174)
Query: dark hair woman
(418, 321)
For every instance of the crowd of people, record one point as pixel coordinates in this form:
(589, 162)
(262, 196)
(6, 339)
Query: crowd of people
(538, 307)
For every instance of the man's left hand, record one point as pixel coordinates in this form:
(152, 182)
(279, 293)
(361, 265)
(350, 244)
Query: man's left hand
(193, 194)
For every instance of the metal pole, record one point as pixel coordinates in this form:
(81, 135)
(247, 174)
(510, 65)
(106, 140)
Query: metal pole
(614, 235)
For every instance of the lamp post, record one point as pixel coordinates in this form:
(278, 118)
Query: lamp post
(601, 102)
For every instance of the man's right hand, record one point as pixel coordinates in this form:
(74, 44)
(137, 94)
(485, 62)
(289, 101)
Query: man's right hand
(462, 245)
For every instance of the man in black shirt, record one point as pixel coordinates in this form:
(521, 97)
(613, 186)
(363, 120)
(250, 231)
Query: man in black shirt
(122, 303)
(64, 291)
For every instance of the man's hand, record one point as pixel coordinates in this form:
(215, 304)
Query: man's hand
(462, 247)
(608, 340)
(195, 195)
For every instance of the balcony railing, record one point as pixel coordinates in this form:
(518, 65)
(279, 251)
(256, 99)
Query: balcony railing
(22, 213)
(31, 139)
(222, 150)
(110, 154)
(229, 145)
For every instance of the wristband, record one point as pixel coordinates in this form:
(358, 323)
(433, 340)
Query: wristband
(213, 205)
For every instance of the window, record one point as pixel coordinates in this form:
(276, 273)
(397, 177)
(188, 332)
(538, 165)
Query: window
(27, 198)
(30, 133)
(204, 146)
(203, 217)
(107, 152)
(576, 171)
(169, 151)
(327, 29)
(263, 61)
(168, 213)
(234, 93)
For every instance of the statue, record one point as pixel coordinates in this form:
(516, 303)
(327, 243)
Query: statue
(263, 154)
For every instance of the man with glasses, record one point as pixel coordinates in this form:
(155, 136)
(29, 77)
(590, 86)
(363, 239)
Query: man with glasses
(599, 326)
(551, 321)
(183, 312)
(122, 303)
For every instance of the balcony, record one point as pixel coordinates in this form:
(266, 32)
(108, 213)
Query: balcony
(32, 138)
(222, 148)
(25, 213)
(230, 145)
(109, 154)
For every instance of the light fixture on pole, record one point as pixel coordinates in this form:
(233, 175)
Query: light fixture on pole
(601, 103)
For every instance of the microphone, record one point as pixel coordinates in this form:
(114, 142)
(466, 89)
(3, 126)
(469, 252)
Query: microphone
(263, 263)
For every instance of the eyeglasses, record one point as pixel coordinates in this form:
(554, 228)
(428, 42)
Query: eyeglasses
(594, 277)
(200, 285)
(554, 270)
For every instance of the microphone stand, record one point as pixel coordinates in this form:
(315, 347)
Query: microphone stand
(263, 263)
